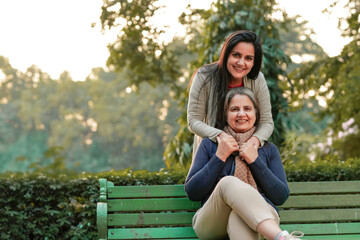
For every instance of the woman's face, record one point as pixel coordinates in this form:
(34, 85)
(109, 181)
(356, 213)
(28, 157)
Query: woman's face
(240, 61)
(241, 115)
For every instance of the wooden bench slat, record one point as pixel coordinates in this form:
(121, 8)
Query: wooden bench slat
(149, 219)
(322, 201)
(322, 210)
(151, 233)
(324, 187)
(149, 204)
(146, 191)
(320, 215)
(324, 228)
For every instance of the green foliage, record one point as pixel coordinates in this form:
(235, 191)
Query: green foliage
(138, 51)
(335, 81)
(38, 206)
(95, 125)
(347, 146)
(350, 24)
(48, 205)
(297, 42)
(142, 57)
(178, 151)
(44, 205)
(208, 30)
(292, 149)
(330, 168)
(62, 205)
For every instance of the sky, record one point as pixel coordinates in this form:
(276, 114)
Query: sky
(57, 35)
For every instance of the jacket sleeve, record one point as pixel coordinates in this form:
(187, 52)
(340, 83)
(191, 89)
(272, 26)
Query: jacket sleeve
(196, 110)
(266, 124)
(270, 176)
(204, 171)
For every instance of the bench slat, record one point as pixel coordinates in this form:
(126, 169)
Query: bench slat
(322, 210)
(322, 201)
(146, 191)
(324, 228)
(156, 204)
(319, 215)
(148, 233)
(324, 187)
(149, 219)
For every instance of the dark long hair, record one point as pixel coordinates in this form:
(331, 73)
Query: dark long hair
(218, 73)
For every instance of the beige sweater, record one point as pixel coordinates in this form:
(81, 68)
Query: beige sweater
(201, 112)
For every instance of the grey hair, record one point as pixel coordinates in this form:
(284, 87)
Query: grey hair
(240, 91)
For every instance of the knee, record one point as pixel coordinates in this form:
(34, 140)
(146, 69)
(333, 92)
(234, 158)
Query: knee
(231, 181)
(230, 184)
(228, 180)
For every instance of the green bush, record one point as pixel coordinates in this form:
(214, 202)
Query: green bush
(329, 169)
(48, 205)
(62, 206)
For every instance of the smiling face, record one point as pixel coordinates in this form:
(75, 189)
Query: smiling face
(240, 61)
(241, 113)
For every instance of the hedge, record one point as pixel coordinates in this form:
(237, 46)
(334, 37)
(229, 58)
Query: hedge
(45, 205)
(62, 206)
(328, 169)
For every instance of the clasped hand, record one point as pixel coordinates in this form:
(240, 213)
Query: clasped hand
(228, 145)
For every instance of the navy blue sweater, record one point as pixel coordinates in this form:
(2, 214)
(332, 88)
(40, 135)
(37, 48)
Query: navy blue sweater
(207, 169)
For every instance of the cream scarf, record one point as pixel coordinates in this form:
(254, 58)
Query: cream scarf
(242, 170)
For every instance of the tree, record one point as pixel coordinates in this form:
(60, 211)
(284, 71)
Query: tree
(298, 44)
(335, 82)
(208, 29)
(95, 125)
(19, 118)
(138, 51)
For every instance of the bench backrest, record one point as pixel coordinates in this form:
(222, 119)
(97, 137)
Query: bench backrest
(323, 208)
(164, 211)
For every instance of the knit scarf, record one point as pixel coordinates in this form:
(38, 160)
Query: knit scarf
(242, 170)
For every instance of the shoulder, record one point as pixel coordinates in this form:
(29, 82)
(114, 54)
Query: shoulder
(208, 142)
(208, 69)
(260, 76)
(269, 149)
(260, 79)
(204, 76)
(207, 72)
(269, 146)
(200, 76)
(208, 145)
(255, 84)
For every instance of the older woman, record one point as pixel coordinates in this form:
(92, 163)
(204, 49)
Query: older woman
(238, 184)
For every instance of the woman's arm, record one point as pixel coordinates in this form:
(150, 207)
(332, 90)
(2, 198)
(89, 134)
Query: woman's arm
(204, 171)
(196, 111)
(269, 174)
(266, 124)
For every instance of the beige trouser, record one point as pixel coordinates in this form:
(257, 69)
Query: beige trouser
(233, 211)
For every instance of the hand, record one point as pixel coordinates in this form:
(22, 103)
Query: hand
(249, 152)
(226, 146)
(223, 135)
(254, 141)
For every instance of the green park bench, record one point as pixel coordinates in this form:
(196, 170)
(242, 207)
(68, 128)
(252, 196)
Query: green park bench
(322, 210)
